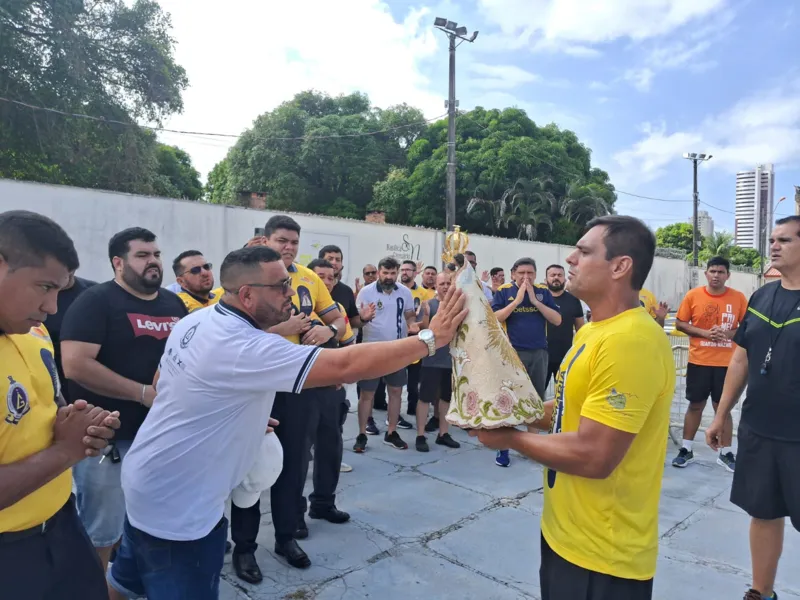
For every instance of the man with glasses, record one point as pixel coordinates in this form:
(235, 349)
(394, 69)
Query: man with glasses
(291, 410)
(195, 276)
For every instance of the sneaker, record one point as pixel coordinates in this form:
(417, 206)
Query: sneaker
(502, 459)
(401, 423)
(432, 424)
(372, 429)
(361, 443)
(422, 444)
(446, 440)
(727, 460)
(756, 595)
(684, 458)
(345, 468)
(393, 439)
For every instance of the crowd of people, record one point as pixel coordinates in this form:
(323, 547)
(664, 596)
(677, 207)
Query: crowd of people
(136, 412)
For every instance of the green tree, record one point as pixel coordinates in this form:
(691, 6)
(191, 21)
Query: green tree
(177, 178)
(218, 190)
(107, 58)
(676, 235)
(745, 257)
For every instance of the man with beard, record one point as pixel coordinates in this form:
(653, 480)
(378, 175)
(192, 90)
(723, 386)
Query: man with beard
(112, 339)
(429, 279)
(408, 273)
(559, 337)
(370, 274)
(395, 317)
(196, 277)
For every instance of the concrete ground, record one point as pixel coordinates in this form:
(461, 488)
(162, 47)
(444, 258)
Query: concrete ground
(450, 524)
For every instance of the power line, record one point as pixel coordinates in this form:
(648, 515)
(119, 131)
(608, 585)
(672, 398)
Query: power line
(213, 134)
(730, 212)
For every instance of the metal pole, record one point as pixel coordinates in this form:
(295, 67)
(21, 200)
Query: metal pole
(695, 224)
(451, 140)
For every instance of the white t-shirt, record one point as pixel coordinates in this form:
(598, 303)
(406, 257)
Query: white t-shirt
(219, 375)
(390, 320)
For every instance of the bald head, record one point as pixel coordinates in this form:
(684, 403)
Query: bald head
(443, 282)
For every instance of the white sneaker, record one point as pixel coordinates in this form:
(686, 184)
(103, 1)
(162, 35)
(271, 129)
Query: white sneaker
(345, 468)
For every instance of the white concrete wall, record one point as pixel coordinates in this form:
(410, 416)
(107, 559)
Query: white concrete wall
(91, 217)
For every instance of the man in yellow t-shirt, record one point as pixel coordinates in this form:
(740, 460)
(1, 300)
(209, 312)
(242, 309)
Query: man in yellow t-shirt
(657, 310)
(195, 275)
(605, 456)
(44, 549)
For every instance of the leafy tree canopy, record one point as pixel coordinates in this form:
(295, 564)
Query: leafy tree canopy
(107, 58)
(676, 235)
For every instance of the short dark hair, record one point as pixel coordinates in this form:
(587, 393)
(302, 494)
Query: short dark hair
(330, 249)
(389, 263)
(496, 270)
(120, 243)
(431, 267)
(719, 261)
(553, 267)
(176, 264)
(628, 236)
(281, 222)
(244, 259)
(410, 262)
(321, 263)
(28, 238)
(524, 261)
(472, 254)
(790, 219)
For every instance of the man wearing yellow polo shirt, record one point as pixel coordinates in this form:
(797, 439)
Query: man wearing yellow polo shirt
(195, 276)
(282, 234)
(605, 456)
(44, 550)
(657, 310)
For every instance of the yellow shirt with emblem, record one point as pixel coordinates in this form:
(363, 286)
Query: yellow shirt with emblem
(29, 384)
(349, 337)
(311, 295)
(619, 372)
(192, 303)
(648, 301)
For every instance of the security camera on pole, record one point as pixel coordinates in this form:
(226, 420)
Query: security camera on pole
(452, 31)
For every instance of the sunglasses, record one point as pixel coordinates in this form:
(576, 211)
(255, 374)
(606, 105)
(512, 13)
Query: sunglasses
(197, 270)
(370, 273)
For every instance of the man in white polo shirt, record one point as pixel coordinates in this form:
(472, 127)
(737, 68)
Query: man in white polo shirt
(394, 319)
(215, 388)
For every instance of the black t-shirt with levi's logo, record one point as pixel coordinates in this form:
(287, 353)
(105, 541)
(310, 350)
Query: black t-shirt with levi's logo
(131, 333)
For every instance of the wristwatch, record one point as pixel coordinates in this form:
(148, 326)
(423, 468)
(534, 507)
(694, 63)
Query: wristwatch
(334, 330)
(426, 335)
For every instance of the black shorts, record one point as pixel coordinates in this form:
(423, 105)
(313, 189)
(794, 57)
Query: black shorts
(435, 384)
(766, 483)
(396, 379)
(703, 381)
(59, 564)
(562, 580)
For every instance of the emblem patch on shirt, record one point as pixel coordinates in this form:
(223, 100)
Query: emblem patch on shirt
(305, 299)
(17, 401)
(540, 297)
(380, 305)
(617, 399)
(41, 333)
(187, 337)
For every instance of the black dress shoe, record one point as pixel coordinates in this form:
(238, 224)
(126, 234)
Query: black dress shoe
(293, 554)
(247, 568)
(332, 515)
(302, 531)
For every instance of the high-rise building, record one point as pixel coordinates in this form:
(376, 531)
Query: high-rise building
(755, 191)
(705, 224)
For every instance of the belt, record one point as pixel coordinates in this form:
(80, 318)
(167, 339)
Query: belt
(9, 537)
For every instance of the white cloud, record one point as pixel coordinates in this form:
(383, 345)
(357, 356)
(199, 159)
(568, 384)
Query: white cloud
(598, 85)
(641, 78)
(250, 57)
(763, 128)
(586, 22)
(500, 76)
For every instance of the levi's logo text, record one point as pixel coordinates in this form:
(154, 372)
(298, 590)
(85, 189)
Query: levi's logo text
(156, 327)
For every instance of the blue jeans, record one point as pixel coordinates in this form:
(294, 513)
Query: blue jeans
(147, 566)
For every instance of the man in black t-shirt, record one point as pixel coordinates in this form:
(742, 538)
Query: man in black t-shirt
(343, 293)
(766, 482)
(112, 340)
(74, 288)
(559, 337)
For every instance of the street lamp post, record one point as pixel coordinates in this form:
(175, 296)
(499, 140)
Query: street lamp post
(695, 158)
(452, 31)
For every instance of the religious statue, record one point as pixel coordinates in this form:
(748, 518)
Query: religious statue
(491, 387)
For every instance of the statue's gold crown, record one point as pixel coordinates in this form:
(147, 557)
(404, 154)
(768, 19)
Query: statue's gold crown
(455, 243)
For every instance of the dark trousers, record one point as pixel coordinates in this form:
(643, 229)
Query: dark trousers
(325, 436)
(245, 523)
(413, 387)
(59, 564)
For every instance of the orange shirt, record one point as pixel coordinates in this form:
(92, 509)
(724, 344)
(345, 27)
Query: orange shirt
(704, 310)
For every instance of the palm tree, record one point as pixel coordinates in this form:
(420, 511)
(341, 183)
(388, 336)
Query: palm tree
(719, 243)
(582, 203)
(530, 206)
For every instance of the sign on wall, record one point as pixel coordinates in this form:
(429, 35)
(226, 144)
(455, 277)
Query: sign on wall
(312, 242)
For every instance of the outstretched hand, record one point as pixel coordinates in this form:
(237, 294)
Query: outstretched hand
(452, 312)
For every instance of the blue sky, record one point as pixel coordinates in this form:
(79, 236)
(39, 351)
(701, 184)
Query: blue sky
(640, 81)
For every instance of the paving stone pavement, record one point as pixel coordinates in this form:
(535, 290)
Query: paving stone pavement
(450, 525)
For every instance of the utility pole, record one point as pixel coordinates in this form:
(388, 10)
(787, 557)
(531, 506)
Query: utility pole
(695, 158)
(452, 31)
(797, 199)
